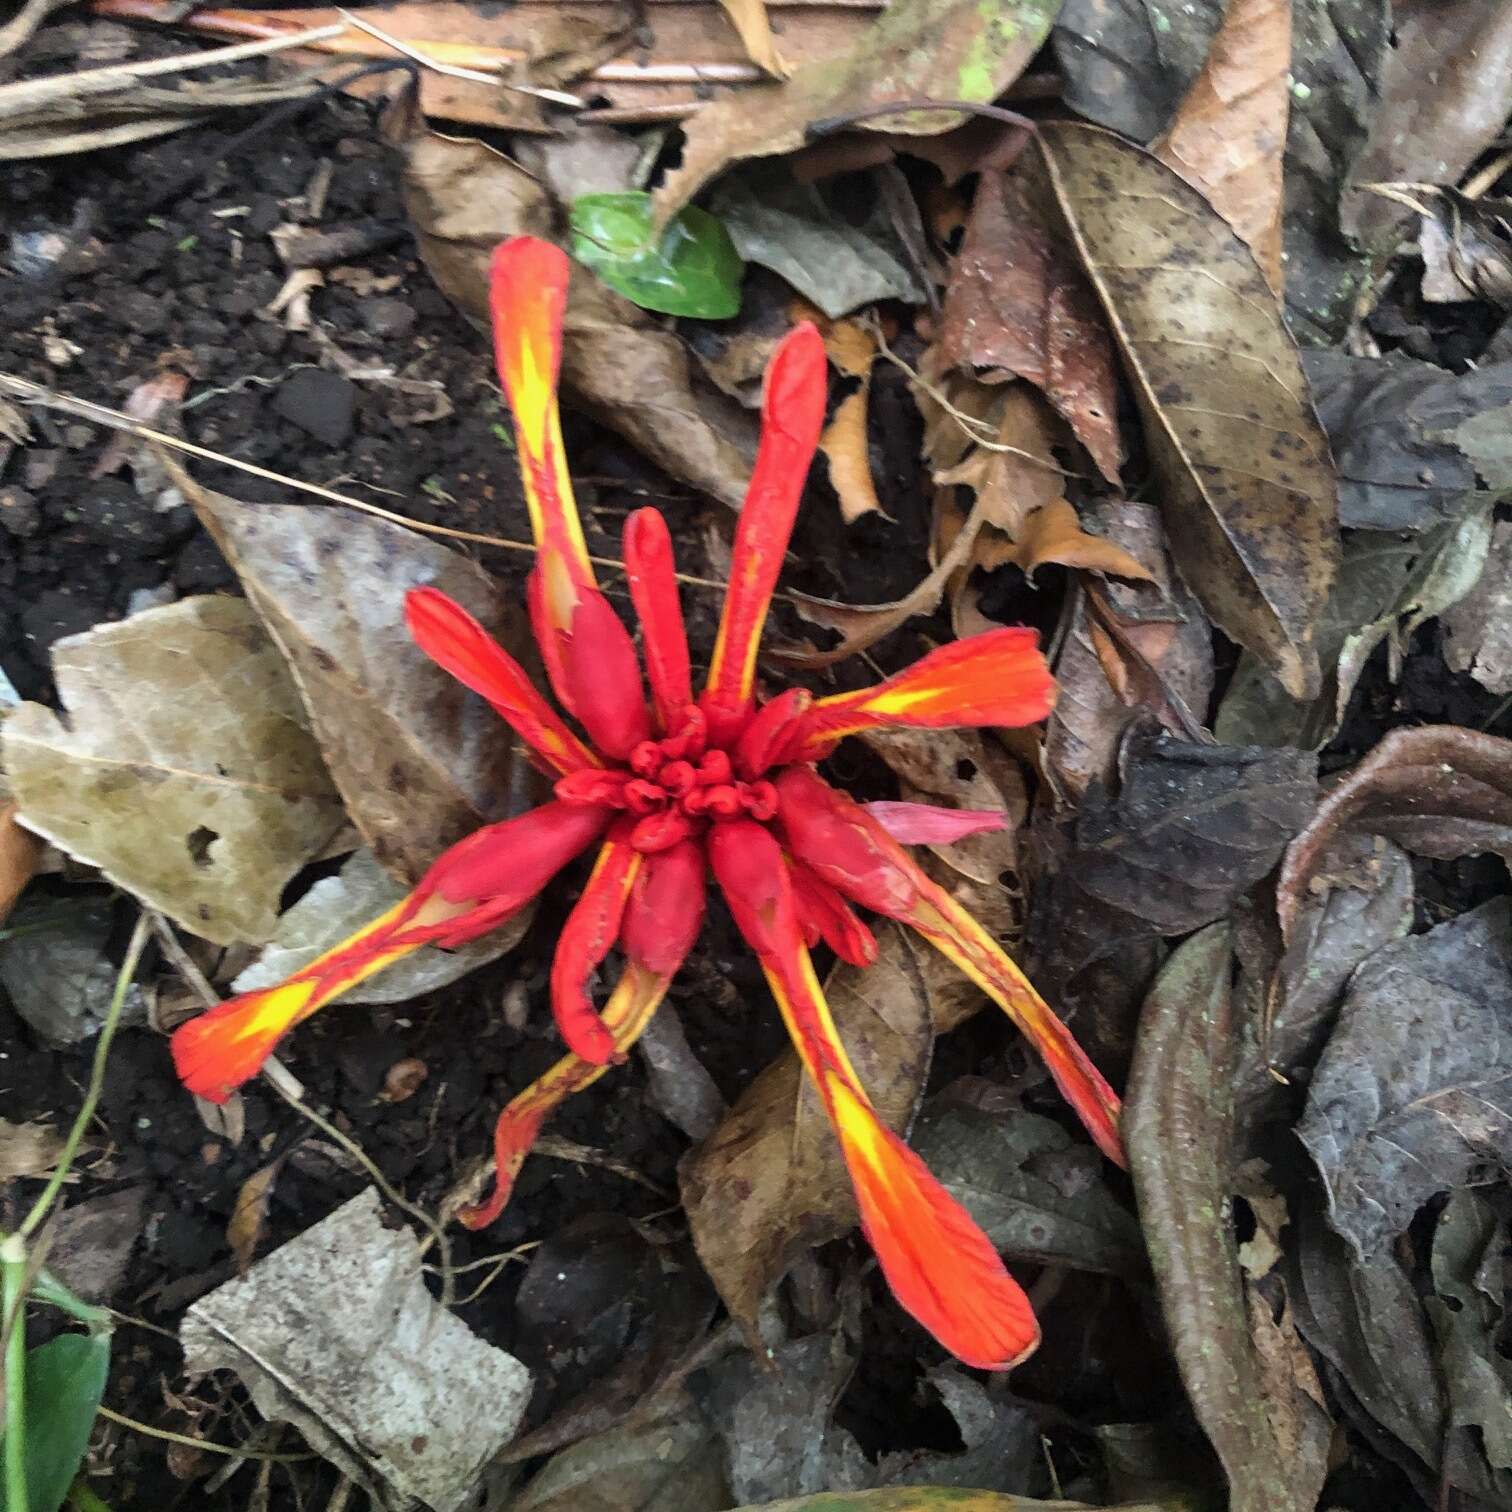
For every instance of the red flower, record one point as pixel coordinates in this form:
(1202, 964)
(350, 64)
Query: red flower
(686, 784)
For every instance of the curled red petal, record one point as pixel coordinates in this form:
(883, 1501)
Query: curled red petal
(770, 731)
(791, 417)
(626, 1014)
(847, 848)
(927, 824)
(602, 675)
(652, 575)
(997, 678)
(826, 916)
(528, 282)
(454, 640)
(472, 888)
(586, 937)
(666, 908)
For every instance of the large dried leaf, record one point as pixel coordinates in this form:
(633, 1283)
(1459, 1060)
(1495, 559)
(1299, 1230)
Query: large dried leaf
(183, 766)
(1178, 1125)
(1228, 134)
(1438, 790)
(931, 49)
(1129, 63)
(1413, 1095)
(420, 761)
(1018, 304)
(945, 1499)
(618, 362)
(1037, 1193)
(1241, 460)
(1411, 441)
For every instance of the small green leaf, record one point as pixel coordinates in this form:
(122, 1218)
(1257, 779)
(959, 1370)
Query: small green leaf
(65, 1379)
(695, 271)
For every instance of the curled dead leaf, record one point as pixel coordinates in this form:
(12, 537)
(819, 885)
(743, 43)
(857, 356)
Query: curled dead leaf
(249, 1217)
(844, 441)
(20, 851)
(1054, 533)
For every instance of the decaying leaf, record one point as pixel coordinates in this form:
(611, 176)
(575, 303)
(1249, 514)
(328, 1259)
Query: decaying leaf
(844, 440)
(670, 1462)
(1438, 790)
(1466, 247)
(28, 1149)
(750, 19)
(791, 228)
(1161, 621)
(1018, 304)
(1243, 465)
(1478, 630)
(769, 1182)
(419, 760)
(249, 1215)
(1410, 440)
(336, 907)
(185, 769)
(930, 49)
(618, 362)
(1037, 1193)
(20, 851)
(1054, 533)
(946, 1499)
(1413, 1094)
(1228, 135)
(1178, 1125)
(336, 1332)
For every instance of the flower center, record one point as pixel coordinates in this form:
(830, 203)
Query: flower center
(677, 785)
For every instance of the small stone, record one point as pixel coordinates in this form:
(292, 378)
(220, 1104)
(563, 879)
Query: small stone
(20, 513)
(319, 403)
(78, 437)
(40, 466)
(388, 319)
(141, 312)
(117, 516)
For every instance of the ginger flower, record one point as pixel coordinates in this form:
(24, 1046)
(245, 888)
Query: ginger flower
(682, 786)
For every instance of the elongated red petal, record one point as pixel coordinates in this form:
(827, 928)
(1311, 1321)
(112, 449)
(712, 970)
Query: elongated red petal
(997, 678)
(791, 417)
(927, 824)
(590, 930)
(626, 1015)
(528, 295)
(769, 732)
(602, 677)
(940, 1265)
(652, 574)
(853, 853)
(826, 916)
(666, 908)
(472, 888)
(453, 639)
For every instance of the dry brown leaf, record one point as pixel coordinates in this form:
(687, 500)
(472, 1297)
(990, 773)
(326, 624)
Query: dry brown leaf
(20, 851)
(419, 760)
(844, 442)
(1098, 700)
(28, 1149)
(1054, 533)
(185, 769)
(249, 1216)
(1242, 465)
(1437, 790)
(1229, 133)
(750, 19)
(1019, 304)
(618, 362)
(916, 49)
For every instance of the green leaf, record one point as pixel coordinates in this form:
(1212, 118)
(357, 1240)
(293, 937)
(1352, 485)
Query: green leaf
(694, 271)
(65, 1379)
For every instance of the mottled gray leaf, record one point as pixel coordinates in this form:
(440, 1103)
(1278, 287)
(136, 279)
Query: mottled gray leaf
(1038, 1194)
(1413, 1094)
(1478, 629)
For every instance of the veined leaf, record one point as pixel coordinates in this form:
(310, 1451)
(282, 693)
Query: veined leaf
(65, 1379)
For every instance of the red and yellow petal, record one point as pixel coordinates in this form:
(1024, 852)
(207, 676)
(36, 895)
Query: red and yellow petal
(792, 416)
(472, 888)
(591, 929)
(846, 847)
(997, 678)
(940, 1265)
(601, 677)
(528, 296)
(629, 1009)
(455, 641)
(652, 575)
(826, 916)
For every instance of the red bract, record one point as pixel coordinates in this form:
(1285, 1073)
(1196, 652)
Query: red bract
(682, 785)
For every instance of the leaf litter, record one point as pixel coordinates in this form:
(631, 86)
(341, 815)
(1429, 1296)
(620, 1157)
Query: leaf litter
(1242, 852)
